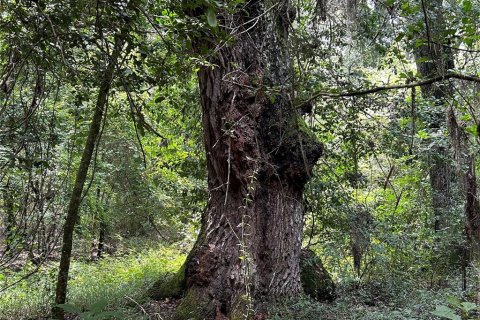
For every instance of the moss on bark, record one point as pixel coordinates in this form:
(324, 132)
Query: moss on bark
(303, 127)
(316, 281)
(171, 287)
(196, 305)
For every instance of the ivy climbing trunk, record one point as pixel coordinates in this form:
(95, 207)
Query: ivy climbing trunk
(260, 155)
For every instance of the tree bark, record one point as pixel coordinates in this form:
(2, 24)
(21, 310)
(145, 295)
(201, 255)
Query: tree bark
(259, 157)
(472, 211)
(102, 225)
(468, 185)
(76, 197)
(438, 63)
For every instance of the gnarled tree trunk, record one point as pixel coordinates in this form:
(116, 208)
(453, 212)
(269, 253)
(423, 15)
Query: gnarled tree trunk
(260, 156)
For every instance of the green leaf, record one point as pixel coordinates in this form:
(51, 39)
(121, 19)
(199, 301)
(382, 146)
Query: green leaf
(422, 59)
(422, 134)
(211, 18)
(453, 301)
(446, 312)
(472, 129)
(467, 5)
(399, 37)
(469, 306)
(98, 306)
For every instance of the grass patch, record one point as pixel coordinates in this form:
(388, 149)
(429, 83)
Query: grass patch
(112, 279)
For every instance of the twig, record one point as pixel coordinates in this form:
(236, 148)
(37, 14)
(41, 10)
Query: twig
(447, 76)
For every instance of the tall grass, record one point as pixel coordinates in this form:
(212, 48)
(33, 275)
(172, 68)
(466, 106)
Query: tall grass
(117, 280)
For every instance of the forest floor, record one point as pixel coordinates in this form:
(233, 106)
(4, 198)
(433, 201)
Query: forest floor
(114, 288)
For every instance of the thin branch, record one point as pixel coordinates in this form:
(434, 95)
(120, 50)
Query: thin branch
(447, 76)
(427, 26)
(457, 48)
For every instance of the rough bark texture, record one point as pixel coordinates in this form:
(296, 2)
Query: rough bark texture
(259, 158)
(472, 211)
(467, 178)
(439, 61)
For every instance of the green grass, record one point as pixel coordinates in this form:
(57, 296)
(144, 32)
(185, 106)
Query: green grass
(116, 280)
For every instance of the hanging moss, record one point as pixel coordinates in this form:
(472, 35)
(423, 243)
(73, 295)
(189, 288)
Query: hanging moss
(303, 127)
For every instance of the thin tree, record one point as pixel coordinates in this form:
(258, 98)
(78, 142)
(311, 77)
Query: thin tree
(107, 76)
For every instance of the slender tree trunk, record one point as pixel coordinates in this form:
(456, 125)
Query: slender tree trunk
(10, 220)
(440, 61)
(259, 157)
(468, 185)
(76, 197)
(101, 239)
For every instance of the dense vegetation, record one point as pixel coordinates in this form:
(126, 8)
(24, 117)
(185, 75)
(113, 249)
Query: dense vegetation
(130, 128)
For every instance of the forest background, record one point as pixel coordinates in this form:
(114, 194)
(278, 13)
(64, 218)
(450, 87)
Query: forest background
(102, 147)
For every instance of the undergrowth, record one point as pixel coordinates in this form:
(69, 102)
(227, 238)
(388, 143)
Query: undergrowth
(119, 281)
(394, 299)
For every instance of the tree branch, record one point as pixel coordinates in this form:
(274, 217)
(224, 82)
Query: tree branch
(447, 76)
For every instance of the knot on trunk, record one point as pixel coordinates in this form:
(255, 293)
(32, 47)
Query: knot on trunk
(291, 148)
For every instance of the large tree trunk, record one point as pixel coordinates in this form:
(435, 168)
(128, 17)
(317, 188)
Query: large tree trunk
(467, 184)
(439, 61)
(472, 211)
(260, 156)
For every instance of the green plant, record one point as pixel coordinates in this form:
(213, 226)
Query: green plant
(111, 280)
(96, 311)
(457, 310)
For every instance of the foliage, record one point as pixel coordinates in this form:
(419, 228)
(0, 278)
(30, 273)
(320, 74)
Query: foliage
(369, 209)
(110, 283)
